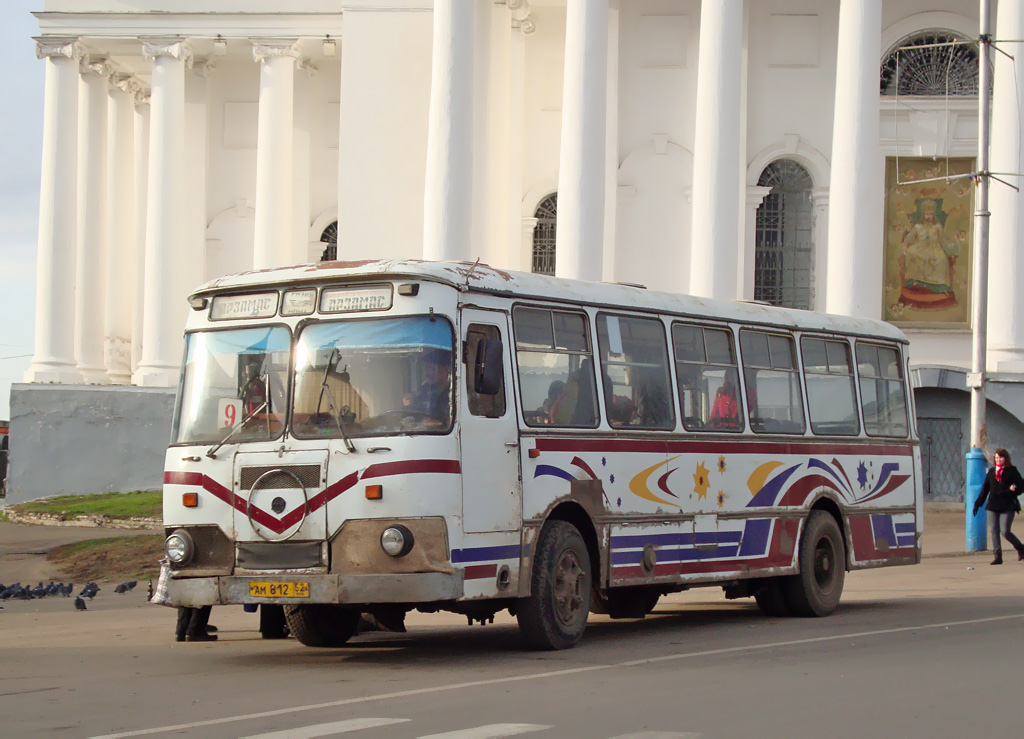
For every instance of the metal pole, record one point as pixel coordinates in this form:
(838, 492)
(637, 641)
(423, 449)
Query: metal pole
(976, 464)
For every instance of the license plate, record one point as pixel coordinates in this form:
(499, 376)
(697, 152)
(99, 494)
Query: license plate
(279, 589)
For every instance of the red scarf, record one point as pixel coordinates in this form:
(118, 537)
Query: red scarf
(999, 473)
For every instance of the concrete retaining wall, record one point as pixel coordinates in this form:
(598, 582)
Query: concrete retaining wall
(79, 439)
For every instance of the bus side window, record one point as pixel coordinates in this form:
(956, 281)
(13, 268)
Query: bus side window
(490, 405)
(634, 372)
(708, 379)
(773, 382)
(831, 395)
(882, 390)
(556, 367)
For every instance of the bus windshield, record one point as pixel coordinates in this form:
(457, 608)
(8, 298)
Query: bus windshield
(231, 376)
(376, 377)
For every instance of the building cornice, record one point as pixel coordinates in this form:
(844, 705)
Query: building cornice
(201, 25)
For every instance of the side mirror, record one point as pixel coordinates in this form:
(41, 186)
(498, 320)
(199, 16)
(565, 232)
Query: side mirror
(487, 374)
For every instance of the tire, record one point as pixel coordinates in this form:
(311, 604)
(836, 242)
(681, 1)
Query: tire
(770, 598)
(555, 614)
(321, 625)
(631, 601)
(816, 590)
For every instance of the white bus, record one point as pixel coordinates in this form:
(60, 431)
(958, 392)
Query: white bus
(383, 436)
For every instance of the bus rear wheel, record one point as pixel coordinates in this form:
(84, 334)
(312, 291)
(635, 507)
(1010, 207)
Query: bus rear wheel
(770, 598)
(816, 590)
(555, 614)
(321, 625)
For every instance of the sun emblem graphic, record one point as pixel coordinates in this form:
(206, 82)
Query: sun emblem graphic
(721, 465)
(721, 499)
(700, 481)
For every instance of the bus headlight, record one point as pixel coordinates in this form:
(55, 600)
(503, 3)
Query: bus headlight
(396, 541)
(179, 547)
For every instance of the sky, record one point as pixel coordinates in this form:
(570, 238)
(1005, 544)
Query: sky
(21, 140)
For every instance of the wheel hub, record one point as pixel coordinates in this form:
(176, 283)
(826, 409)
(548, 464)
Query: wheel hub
(568, 591)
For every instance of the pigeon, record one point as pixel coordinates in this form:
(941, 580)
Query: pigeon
(6, 594)
(68, 589)
(130, 585)
(79, 604)
(122, 588)
(90, 590)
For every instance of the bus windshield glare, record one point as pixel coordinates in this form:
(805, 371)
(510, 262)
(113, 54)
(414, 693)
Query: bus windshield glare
(375, 377)
(233, 376)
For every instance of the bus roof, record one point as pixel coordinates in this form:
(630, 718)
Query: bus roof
(470, 277)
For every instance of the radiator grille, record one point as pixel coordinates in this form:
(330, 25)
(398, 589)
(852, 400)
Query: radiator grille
(308, 475)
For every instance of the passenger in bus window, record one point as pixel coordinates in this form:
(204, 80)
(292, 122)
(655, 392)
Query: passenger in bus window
(551, 404)
(434, 396)
(725, 411)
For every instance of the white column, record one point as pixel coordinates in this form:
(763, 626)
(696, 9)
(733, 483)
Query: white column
(165, 292)
(1006, 314)
(611, 154)
(745, 267)
(141, 159)
(301, 163)
(448, 194)
(54, 357)
(527, 228)
(274, 142)
(579, 240)
(193, 256)
(91, 268)
(516, 258)
(716, 158)
(854, 273)
(117, 327)
(820, 200)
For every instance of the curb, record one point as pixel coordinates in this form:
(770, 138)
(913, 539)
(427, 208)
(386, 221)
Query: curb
(103, 522)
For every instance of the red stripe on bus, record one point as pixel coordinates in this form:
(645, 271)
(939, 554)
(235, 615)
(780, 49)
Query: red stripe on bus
(425, 466)
(717, 447)
(863, 539)
(479, 572)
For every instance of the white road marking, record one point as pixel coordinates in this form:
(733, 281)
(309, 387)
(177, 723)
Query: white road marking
(491, 731)
(660, 735)
(561, 673)
(337, 727)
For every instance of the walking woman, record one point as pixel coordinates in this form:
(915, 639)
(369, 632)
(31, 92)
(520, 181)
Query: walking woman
(1002, 485)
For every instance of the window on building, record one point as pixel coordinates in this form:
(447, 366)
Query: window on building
(784, 242)
(544, 236)
(773, 382)
(882, 390)
(831, 396)
(919, 64)
(634, 372)
(329, 238)
(708, 379)
(556, 367)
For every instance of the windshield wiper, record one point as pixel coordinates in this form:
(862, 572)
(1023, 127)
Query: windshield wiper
(230, 432)
(334, 410)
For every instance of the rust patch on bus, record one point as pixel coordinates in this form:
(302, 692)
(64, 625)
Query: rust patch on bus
(590, 494)
(342, 265)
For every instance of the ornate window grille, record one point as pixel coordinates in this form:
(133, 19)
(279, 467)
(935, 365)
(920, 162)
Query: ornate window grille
(329, 238)
(544, 235)
(784, 243)
(925, 69)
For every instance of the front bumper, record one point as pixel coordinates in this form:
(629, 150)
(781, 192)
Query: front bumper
(421, 587)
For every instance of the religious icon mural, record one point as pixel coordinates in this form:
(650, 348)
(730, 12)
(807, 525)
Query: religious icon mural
(928, 241)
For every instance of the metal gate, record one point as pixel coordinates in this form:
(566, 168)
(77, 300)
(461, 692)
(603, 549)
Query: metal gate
(942, 459)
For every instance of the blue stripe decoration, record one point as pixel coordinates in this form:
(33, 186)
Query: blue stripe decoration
(755, 538)
(883, 475)
(828, 468)
(547, 469)
(658, 540)
(881, 525)
(485, 554)
(905, 541)
(906, 528)
(766, 495)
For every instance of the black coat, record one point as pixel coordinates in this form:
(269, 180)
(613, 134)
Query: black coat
(1000, 498)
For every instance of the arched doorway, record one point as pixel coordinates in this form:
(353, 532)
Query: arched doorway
(544, 236)
(784, 241)
(329, 238)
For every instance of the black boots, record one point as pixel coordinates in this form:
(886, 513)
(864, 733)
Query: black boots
(998, 560)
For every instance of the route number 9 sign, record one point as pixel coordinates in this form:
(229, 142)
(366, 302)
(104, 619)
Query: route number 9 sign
(229, 412)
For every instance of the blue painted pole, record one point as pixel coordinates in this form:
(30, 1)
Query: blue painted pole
(977, 467)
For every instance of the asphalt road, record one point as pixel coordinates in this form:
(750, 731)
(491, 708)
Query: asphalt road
(931, 650)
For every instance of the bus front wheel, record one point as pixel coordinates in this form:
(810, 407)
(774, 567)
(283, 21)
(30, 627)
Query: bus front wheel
(816, 590)
(555, 614)
(321, 625)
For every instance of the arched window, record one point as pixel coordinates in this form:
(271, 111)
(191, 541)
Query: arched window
(784, 244)
(329, 238)
(544, 235)
(916, 65)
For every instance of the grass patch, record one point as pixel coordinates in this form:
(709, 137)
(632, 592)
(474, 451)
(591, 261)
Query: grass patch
(146, 503)
(112, 558)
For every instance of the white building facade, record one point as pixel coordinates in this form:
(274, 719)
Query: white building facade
(738, 149)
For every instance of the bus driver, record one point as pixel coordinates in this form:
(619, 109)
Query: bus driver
(434, 395)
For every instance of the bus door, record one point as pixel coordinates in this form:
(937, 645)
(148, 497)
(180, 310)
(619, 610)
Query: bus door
(491, 488)
(276, 498)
